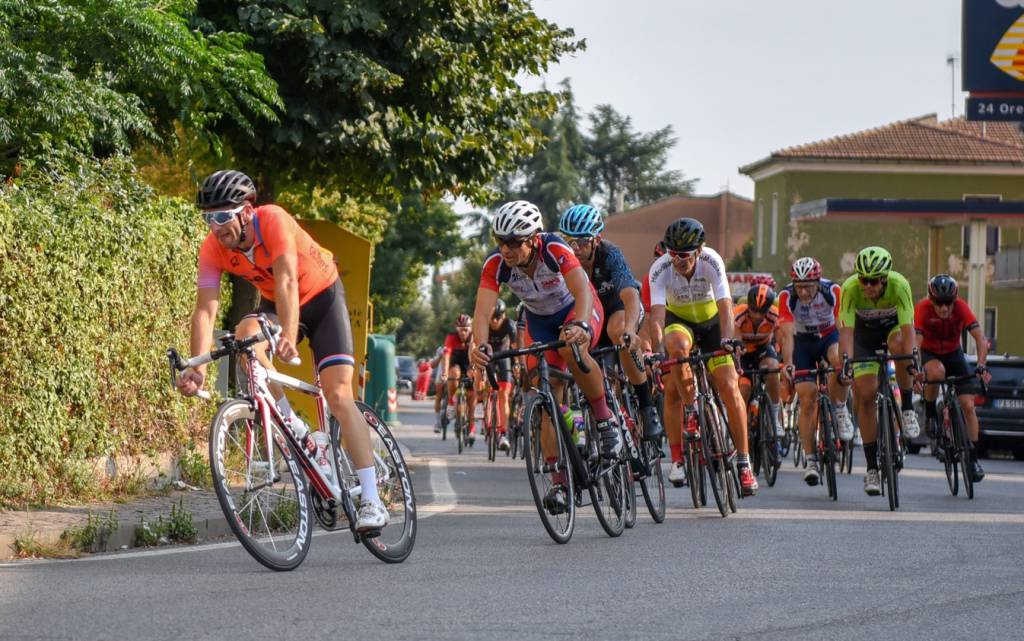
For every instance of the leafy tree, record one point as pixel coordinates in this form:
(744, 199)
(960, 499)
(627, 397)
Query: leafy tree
(101, 76)
(743, 259)
(628, 167)
(386, 97)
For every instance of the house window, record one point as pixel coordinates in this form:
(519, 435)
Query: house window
(760, 228)
(991, 240)
(775, 224)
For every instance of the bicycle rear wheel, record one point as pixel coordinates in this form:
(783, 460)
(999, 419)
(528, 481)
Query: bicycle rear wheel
(608, 496)
(542, 475)
(262, 490)
(394, 487)
(492, 427)
(694, 470)
(630, 496)
(653, 487)
(963, 448)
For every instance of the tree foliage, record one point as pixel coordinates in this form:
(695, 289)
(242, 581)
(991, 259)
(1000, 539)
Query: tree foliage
(387, 97)
(102, 76)
(627, 168)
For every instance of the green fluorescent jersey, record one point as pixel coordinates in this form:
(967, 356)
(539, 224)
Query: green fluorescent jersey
(896, 302)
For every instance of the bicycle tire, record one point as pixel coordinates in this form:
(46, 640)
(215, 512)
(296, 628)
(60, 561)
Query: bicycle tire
(754, 437)
(714, 457)
(949, 458)
(492, 427)
(963, 447)
(847, 457)
(886, 446)
(694, 470)
(826, 432)
(277, 532)
(608, 496)
(771, 458)
(395, 542)
(653, 487)
(630, 497)
(559, 529)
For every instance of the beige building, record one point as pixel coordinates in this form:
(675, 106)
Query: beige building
(728, 222)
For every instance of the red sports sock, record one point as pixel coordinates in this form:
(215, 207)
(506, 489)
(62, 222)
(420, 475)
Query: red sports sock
(677, 452)
(600, 408)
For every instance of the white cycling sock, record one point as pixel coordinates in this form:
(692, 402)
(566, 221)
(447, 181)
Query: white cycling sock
(368, 483)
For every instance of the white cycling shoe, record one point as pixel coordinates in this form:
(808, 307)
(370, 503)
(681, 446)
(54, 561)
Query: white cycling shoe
(844, 424)
(677, 476)
(372, 516)
(911, 428)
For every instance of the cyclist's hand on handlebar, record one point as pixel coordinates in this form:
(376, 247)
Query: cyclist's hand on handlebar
(984, 374)
(480, 356)
(731, 344)
(631, 339)
(575, 334)
(285, 350)
(190, 381)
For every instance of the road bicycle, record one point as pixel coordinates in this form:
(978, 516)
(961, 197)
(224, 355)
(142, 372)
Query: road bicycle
(710, 462)
(463, 413)
(765, 446)
(828, 446)
(574, 468)
(644, 455)
(953, 442)
(268, 483)
(890, 421)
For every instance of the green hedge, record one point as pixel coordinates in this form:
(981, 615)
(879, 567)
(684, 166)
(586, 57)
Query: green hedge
(97, 279)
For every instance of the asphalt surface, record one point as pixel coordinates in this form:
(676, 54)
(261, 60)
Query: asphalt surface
(790, 565)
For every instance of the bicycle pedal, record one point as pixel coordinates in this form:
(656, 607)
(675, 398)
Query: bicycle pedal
(370, 534)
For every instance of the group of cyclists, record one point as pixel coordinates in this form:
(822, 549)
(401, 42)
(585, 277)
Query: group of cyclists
(576, 286)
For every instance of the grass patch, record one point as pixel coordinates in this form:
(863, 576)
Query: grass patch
(28, 546)
(93, 535)
(177, 528)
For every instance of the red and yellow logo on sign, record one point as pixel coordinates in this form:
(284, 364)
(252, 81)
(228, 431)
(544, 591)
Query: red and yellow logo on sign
(1009, 52)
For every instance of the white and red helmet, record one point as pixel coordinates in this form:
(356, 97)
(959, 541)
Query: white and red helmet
(805, 269)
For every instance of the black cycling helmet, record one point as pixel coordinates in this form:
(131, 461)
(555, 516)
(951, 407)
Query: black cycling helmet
(225, 187)
(760, 298)
(685, 234)
(499, 309)
(942, 288)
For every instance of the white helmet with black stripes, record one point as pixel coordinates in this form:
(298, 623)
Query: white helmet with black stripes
(517, 219)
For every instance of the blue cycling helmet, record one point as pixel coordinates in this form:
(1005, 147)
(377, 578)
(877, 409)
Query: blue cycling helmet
(581, 220)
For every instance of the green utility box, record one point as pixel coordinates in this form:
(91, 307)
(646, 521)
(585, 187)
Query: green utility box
(381, 380)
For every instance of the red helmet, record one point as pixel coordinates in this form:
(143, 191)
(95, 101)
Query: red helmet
(763, 279)
(464, 320)
(805, 269)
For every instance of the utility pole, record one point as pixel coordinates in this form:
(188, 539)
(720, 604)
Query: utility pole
(951, 60)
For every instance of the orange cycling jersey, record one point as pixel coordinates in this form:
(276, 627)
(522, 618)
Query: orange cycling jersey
(755, 336)
(276, 234)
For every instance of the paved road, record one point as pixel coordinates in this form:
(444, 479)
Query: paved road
(790, 565)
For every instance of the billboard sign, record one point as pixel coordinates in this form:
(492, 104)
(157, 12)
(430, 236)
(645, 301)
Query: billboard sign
(993, 58)
(740, 282)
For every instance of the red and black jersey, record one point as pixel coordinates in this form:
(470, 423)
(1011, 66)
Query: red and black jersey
(452, 343)
(942, 335)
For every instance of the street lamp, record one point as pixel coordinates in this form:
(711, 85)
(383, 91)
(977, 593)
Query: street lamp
(951, 60)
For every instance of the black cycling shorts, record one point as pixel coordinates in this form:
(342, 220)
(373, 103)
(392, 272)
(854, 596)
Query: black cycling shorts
(324, 321)
(752, 360)
(955, 364)
(460, 357)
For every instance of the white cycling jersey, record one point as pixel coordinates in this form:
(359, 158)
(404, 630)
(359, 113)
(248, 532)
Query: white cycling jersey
(691, 299)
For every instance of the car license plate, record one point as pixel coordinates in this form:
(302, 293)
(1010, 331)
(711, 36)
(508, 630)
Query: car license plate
(1009, 403)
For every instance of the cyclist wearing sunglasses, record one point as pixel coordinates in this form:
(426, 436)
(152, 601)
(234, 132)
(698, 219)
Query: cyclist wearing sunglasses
(809, 318)
(299, 289)
(940, 319)
(455, 364)
(560, 304)
(877, 308)
(691, 305)
(619, 292)
(757, 324)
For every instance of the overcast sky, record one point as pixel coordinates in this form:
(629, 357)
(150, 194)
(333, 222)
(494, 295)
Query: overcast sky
(739, 79)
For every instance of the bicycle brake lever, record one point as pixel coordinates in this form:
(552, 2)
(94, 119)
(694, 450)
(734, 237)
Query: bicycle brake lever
(576, 356)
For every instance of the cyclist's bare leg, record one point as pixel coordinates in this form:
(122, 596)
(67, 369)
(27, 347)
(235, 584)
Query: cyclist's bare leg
(898, 348)
(679, 390)
(808, 393)
(726, 381)
(865, 390)
(772, 383)
(454, 374)
(616, 326)
(591, 383)
(933, 370)
(836, 391)
(336, 382)
(967, 404)
(504, 399)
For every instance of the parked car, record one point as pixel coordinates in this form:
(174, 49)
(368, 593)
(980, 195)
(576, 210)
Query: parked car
(1001, 410)
(405, 372)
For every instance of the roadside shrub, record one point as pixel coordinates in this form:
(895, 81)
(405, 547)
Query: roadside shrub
(97, 279)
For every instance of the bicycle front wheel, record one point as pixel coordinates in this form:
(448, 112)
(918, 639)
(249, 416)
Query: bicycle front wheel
(771, 459)
(963, 448)
(261, 488)
(394, 487)
(826, 432)
(559, 522)
(714, 457)
(653, 487)
(887, 452)
(608, 495)
(949, 456)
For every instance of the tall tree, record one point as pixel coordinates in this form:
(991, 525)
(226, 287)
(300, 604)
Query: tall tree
(101, 76)
(553, 177)
(386, 97)
(627, 167)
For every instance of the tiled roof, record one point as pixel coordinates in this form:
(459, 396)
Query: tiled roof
(920, 139)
